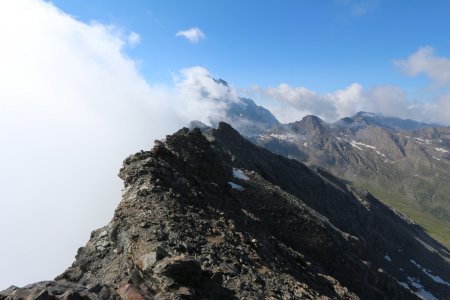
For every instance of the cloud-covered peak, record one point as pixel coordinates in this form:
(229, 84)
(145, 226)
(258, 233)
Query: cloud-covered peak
(197, 83)
(290, 103)
(193, 35)
(211, 100)
(72, 106)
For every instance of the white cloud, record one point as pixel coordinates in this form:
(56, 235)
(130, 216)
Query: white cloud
(72, 107)
(292, 103)
(193, 35)
(208, 99)
(359, 7)
(363, 7)
(134, 39)
(302, 99)
(425, 61)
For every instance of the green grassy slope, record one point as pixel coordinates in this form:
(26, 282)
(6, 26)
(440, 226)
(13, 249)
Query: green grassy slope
(436, 227)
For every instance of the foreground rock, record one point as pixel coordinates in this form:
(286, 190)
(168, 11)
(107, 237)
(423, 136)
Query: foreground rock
(211, 216)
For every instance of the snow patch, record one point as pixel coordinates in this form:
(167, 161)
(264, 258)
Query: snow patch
(357, 144)
(239, 174)
(379, 153)
(284, 137)
(415, 282)
(235, 186)
(426, 295)
(305, 144)
(428, 272)
(422, 141)
(421, 292)
(364, 145)
(441, 150)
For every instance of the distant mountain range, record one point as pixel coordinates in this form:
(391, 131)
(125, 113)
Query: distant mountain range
(405, 163)
(363, 119)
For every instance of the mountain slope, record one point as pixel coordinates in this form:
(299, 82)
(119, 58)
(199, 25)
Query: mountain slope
(247, 117)
(211, 216)
(362, 119)
(410, 170)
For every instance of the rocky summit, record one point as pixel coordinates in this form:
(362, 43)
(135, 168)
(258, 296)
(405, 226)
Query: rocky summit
(208, 215)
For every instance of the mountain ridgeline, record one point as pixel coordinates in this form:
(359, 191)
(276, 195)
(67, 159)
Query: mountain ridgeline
(403, 162)
(207, 214)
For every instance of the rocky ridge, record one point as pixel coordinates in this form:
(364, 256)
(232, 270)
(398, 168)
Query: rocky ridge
(208, 215)
(405, 163)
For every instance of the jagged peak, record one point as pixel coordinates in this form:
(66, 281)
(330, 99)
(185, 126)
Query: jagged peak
(392, 123)
(221, 81)
(226, 132)
(198, 124)
(345, 120)
(365, 114)
(309, 124)
(313, 119)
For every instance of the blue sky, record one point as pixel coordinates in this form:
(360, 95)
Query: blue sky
(322, 45)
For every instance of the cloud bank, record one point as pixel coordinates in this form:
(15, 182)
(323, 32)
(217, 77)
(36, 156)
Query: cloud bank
(193, 35)
(290, 103)
(425, 61)
(205, 99)
(72, 107)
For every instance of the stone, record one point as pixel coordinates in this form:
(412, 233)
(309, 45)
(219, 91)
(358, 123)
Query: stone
(184, 270)
(128, 292)
(147, 260)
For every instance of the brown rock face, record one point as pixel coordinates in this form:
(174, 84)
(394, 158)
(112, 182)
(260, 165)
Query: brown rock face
(211, 216)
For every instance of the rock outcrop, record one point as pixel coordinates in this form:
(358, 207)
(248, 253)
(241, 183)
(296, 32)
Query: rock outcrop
(208, 215)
